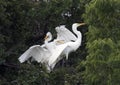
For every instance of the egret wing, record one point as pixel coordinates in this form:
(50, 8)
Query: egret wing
(25, 56)
(64, 34)
(37, 52)
(56, 56)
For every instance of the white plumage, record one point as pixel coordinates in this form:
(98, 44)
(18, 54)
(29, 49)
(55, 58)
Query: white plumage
(52, 52)
(37, 52)
(65, 49)
(64, 34)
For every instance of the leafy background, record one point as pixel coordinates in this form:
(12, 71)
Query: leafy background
(24, 23)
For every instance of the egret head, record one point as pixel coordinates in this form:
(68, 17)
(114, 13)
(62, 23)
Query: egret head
(48, 36)
(75, 25)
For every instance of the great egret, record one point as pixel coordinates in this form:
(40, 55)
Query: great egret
(37, 52)
(65, 49)
(41, 54)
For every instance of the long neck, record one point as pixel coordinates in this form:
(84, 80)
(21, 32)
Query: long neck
(48, 44)
(79, 37)
(78, 33)
(48, 39)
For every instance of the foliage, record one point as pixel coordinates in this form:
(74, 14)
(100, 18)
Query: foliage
(102, 63)
(15, 29)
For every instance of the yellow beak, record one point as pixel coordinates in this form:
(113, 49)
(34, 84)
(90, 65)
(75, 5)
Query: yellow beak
(80, 24)
(45, 37)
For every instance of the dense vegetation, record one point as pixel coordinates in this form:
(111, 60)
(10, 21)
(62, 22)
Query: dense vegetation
(103, 42)
(24, 23)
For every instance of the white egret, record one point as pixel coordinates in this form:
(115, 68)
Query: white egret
(41, 54)
(37, 52)
(65, 49)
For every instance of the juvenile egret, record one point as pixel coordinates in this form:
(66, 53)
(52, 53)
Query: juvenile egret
(41, 54)
(37, 52)
(65, 49)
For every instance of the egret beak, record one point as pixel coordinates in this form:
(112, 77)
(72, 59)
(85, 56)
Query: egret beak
(45, 37)
(80, 24)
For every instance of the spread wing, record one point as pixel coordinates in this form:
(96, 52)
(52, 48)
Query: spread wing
(64, 34)
(56, 56)
(37, 52)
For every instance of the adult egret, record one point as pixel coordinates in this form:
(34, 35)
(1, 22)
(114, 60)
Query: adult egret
(65, 49)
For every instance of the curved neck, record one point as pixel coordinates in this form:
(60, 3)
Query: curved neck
(77, 43)
(48, 44)
(48, 39)
(78, 33)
